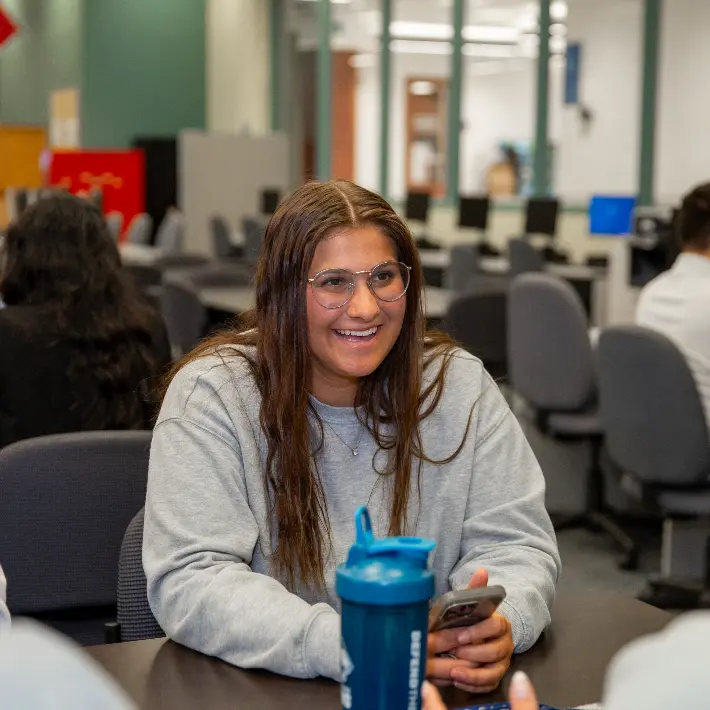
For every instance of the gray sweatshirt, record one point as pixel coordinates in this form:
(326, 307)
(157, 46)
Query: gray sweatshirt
(207, 536)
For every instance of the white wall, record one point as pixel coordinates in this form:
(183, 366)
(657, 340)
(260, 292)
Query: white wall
(683, 142)
(238, 66)
(605, 159)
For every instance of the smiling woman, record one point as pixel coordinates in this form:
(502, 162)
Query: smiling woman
(331, 396)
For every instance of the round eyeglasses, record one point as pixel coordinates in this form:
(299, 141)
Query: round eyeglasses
(333, 288)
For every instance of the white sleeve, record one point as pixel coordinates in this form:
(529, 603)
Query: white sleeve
(4, 611)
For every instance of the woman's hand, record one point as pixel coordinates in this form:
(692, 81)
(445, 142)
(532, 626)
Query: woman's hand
(481, 653)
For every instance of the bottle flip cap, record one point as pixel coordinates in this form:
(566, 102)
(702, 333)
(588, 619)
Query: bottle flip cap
(385, 571)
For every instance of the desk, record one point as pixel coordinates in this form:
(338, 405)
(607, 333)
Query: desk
(499, 265)
(567, 666)
(242, 298)
(590, 282)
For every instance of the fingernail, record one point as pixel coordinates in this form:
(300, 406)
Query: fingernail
(458, 675)
(426, 689)
(520, 686)
(464, 638)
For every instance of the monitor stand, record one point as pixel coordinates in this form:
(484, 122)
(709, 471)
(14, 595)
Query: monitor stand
(485, 248)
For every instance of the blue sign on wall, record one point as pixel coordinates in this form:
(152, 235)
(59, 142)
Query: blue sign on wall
(572, 73)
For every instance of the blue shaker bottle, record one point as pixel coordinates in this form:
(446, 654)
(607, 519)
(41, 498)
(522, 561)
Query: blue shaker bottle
(385, 587)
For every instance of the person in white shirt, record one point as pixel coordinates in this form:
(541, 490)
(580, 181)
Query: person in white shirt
(677, 303)
(4, 611)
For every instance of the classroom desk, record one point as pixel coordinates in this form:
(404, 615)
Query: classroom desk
(499, 265)
(567, 665)
(590, 282)
(240, 299)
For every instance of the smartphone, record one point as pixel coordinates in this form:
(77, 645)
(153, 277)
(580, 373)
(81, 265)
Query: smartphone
(465, 607)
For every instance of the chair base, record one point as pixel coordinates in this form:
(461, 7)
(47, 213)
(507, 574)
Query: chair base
(598, 521)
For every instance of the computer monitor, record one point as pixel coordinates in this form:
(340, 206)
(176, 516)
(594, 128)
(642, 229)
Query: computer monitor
(270, 199)
(611, 216)
(417, 206)
(541, 215)
(473, 212)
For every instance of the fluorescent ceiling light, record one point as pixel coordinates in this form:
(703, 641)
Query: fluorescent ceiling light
(410, 46)
(559, 10)
(438, 31)
(490, 33)
(482, 51)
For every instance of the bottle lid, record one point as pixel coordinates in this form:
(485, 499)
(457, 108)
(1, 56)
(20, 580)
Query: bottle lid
(390, 571)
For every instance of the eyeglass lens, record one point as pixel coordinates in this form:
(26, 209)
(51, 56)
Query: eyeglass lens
(334, 288)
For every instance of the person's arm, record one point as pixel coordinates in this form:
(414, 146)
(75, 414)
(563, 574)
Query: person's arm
(199, 537)
(507, 529)
(4, 611)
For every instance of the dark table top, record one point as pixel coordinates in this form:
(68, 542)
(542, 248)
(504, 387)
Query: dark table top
(567, 665)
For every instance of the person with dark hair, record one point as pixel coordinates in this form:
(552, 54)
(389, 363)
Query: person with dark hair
(677, 303)
(80, 348)
(332, 396)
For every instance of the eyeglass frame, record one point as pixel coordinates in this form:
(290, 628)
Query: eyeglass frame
(369, 283)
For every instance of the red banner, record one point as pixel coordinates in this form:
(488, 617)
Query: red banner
(120, 175)
(8, 28)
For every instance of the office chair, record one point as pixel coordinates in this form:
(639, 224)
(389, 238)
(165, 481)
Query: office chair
(656, 433)
(477, 320)
(524, 257)
(135, 620)
(222, 240)
(140, 229)
(551, 365)
(66, 501)
(184, 314)
(170, 234)
(463, 268)
(114, 221)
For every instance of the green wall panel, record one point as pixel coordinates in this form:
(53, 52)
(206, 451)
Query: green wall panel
(144, 69)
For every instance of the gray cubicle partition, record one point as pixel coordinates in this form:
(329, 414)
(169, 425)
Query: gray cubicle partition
(223, 174)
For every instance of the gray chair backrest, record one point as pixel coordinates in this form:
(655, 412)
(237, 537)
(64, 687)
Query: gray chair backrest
(140, 229)
(221, 236)
(114, 221)
(650, 408)
(134, 612)
(169, 236)
(184, 314)
(550, 357)
(524, 257)
(253, 236)
(478, 322)
(65, 502)
(462, 270)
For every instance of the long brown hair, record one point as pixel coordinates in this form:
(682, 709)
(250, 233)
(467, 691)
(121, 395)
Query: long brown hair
(392, 397)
